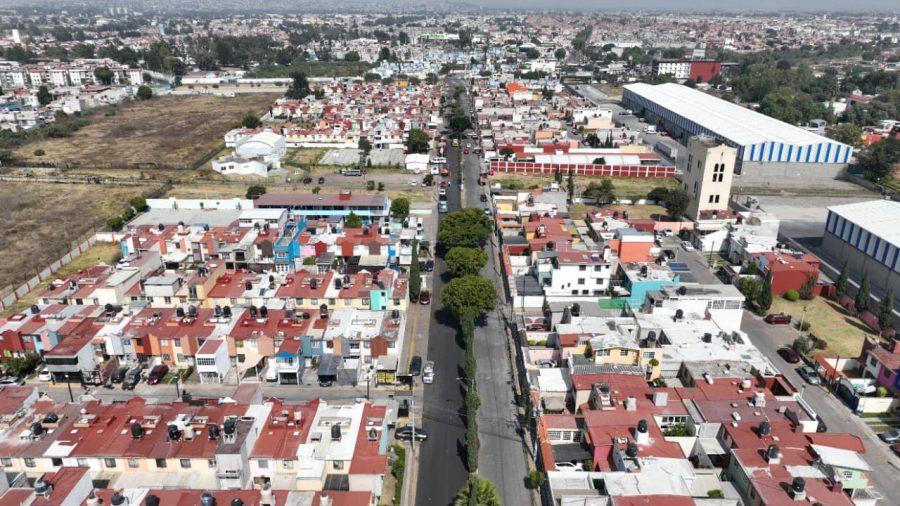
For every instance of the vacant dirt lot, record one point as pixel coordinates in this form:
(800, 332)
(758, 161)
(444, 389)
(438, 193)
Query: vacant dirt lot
(174, 131)
(41, 221)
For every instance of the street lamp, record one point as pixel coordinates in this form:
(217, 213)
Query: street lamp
(69, 384)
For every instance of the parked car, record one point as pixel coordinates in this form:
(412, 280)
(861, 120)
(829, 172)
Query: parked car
(119, 375)
(670, 254)
(487, 211)
(11, 380)
(442, 190)
(483, 197)
(687, 246)
(157, 374)
(809, 374)
(321, 180)
(307, 180)
(425, 298)
(406, 432)
(326, 383)
(415, 366)
(896, 449)
(569, 466)
(778, 319)
(429, 266)
(545, 363)
(44, 375)
(891, 436)
(428, 373)
(131, 380)
(790, 356)
(414, 183)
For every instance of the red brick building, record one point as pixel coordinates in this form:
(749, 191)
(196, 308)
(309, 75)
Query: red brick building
(789, 271)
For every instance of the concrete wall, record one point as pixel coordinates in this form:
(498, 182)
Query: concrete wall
(880, 276)
(790, 175)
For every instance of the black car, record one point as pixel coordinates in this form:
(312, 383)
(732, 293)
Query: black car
(157, 374)
(307, 180)
(483, 197)
(131, 381)
(321, 180)
(326, 383)
(429, 266)
(790, 356)
(119, 375)
(406, 432)
(415, 366)
(670, 254)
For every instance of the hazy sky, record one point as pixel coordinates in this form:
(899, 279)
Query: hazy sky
(734, 5)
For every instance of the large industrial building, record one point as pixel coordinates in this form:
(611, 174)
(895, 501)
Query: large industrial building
(770, 152)
(867, 236)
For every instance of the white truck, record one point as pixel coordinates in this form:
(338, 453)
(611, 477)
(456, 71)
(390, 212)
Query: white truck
(650, 129)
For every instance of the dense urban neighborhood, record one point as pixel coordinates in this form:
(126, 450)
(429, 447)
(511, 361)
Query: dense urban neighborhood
(373, 253)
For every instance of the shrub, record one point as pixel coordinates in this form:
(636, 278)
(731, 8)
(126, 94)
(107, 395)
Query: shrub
(715, 494)
(881, 392)
(370, 185)
(803, 326)
(39, 152)
(792, 295)
(535, 479)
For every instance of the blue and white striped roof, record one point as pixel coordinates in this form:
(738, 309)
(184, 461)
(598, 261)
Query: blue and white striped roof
(759, 137)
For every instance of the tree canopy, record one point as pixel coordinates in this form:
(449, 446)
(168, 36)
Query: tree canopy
(299, 88)
(467, 227)
(469, 293)
(251, 121)
(879, 159)
(604, 191)
(848, 133)
(677, 202)
(465, 261)
(352, 220)
(400, 208)
(144, 92)
(417, 141)
(485, 493)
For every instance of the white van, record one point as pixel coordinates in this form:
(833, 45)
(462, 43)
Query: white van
(272, 372)
(650, 129)
(428, 373)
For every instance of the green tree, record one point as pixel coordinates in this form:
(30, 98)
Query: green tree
(299, 88)
(659, 194)
(43, 95)
(351, 56)
(560, 53)
(535, 479)
(807, 291)
(103, 75)
(677, 202)
(115, 223)
(571, 185)
(139, 203)
(251, 121)
(465, 261)
(352, 221)
(467, 227)
(592, 140)
(254, 192)
(364, 145)
(886, 309)
(469, 293)
(861, 301)
(478, 491)
(506, 152)
(144, 92)
(599, 161)
(557, 176)
(764, 300)
(841, 284)
(848, 133)
(417, 141)
(415, 276)
(400, 208)
(879, 159)
(604, 191)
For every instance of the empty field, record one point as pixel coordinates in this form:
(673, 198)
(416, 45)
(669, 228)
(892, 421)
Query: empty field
(170, 131)
(41, 221)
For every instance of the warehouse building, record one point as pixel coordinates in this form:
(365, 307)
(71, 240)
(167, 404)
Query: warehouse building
(867, 236)
(770, 152)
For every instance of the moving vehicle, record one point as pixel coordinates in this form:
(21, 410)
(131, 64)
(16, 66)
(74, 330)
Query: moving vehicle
(487, 211)
(425, 298)
(414, 183)
(809, 374)
(455, 143)
(321, 180)
(407, 432)
(415, 366)
(778, 319)
(687, 245)
(650, 129)
(790, 356)
(442, 191)
(157, 374)
(890, 436)
(442, 206)
(428, 373)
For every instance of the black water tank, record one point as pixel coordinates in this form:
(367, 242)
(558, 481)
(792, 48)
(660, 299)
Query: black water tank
(137, 431)
(335, 432)
(117, 499)
(237, 502)
(207, 499)
(179, 312)
(230, 426)
(764, 429)
(174, 433)
(226, 311)
(37, 429)
(576, 309)
(213, 431)
(151, 500)
(631, 449)
(642, 426)
(772, 451)
(51, 418)
(798, 484)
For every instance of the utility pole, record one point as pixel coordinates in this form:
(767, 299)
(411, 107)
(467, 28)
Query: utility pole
(69, 384)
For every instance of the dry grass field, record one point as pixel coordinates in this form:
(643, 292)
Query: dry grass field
(173, 131)
(41, 221)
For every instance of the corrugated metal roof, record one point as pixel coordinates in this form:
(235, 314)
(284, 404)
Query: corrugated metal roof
(738, 124)
(879, 217)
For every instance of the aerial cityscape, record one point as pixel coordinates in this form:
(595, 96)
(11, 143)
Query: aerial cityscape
(365, 253)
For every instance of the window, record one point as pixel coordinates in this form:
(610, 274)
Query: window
(580, 281)
(179, 357)
(166, 357)
(185, 463)
(163, 342)
(109, 463)
(598, 268)
(167, 300)
(287, 464)
(161, 463)
(263, 464)
(7, 462)
(330, 302)
(649, 355)
(847, 474)
(574, 292)
(582, 267)
(56, 462)
(132, 463)
(138, 341)
(338, 464)
(299, 302)
(623, 353)
(29, 462)
(81, 462)
(211, 463)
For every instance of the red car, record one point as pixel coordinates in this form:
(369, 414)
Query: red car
(790, 356)
(444, 171)
(778, 319)
(443, 184)
(465, 151)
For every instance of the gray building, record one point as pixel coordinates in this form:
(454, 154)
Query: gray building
(867, 236)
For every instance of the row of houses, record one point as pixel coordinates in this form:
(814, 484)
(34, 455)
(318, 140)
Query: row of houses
(262, 451)
(78, 72)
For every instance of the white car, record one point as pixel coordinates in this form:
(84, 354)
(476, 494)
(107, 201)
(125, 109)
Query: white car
(569, 466)
(44, 375)
(414, 183)
(442, 191)
(687, 246)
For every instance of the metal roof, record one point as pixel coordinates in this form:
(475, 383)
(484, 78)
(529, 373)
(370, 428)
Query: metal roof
(879, 217)
(731, 121)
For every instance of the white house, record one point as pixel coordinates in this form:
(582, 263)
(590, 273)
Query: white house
(417, 162)
(212, 361)
(253, 155)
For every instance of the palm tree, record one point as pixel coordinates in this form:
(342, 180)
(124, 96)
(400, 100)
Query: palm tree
(485, 493)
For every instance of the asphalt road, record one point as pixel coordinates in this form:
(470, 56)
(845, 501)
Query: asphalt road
(442, 470)
(501, 458)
